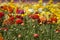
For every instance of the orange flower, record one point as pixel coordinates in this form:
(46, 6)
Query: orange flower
(10, 9)
(1, 38)
(4, 7)
(8, 22)
(42, 19)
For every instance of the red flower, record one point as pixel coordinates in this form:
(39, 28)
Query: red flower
(1, 14)
(5, 29)
(19, 21)
(17, 10)
(11, 18)
(36, 35)
(53, 19)
(20, 17)
(34, 16)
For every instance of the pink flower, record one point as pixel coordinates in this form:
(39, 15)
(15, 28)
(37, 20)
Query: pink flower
(18, 11)
(36, 35)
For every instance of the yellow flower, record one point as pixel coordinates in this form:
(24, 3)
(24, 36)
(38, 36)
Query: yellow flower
(43, 12)
(47, 14)
(52, 10)
(12, 5)
(58, 15)
(38, 5)
(24, 14)
(26, 8)
(40, 1)
(35, 6)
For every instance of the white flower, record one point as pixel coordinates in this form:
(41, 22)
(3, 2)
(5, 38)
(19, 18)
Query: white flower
(31, 10)
(44, 4)
(40, 10)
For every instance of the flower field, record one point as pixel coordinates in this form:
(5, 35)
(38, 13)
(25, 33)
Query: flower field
(39, 21)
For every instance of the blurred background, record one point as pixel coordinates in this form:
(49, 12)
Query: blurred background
(55, 1)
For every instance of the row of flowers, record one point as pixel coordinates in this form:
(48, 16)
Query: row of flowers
(31, 8)
(40, 19)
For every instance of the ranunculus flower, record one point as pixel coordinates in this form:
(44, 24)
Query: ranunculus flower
(10, 15)
(18, 11)
(42, 19)
(1, 14)
(34, 16)
(53, 19)
(8, 21)
(11, 18)
(44, 4)
(48, 21)
(18, 16)
(4, 7)
(10, 9)
(31, 10)
(40, 10)
(57, 31)
(19, 21)
(1, 38)
(36, 35)
(5, 29)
